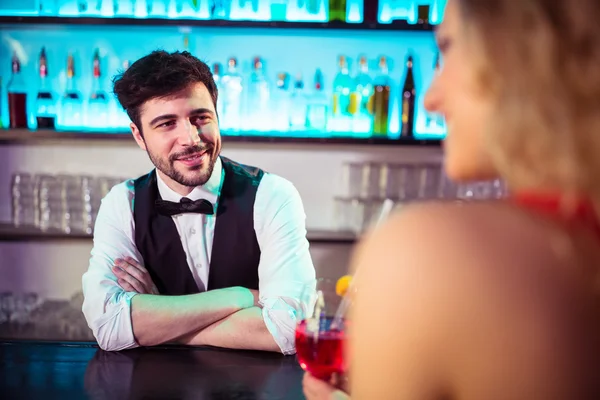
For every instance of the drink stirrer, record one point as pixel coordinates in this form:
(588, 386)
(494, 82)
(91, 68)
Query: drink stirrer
(386, 209)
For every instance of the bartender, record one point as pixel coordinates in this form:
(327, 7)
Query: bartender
(202, 250)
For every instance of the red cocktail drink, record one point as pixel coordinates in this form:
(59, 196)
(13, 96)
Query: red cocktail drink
(320, 351)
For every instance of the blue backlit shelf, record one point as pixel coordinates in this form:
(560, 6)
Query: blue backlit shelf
(25, 136)
(398, 25)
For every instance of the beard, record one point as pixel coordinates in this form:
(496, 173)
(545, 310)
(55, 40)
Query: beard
(190, 177)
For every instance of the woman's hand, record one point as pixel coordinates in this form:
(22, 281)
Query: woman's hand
(316, 389)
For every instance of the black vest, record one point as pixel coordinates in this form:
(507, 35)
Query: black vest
(235, 251)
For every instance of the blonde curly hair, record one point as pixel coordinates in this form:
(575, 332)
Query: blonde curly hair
(540, 61)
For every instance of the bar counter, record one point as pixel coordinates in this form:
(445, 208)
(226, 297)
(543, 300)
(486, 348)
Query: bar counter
(80, 370)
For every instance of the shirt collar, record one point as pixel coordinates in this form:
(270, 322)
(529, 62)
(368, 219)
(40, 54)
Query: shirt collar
(209, 191)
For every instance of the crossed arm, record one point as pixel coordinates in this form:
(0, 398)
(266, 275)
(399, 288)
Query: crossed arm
(123, 315)
(228, 317)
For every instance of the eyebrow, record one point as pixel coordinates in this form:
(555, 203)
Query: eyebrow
(174, 116)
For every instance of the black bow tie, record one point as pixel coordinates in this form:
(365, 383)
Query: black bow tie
(185, 205)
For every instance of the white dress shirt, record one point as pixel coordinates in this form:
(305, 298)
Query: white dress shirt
(284, 271)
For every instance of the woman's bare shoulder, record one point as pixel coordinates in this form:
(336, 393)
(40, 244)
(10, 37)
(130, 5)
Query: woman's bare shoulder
(486, 277)
(483, 244)
(476, 229)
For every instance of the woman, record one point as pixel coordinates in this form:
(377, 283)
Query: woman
(498, 299)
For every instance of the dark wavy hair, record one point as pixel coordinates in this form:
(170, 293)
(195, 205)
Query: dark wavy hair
(160, 74)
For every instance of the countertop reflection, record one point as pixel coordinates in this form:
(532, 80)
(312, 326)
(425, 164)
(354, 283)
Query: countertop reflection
(80, 370)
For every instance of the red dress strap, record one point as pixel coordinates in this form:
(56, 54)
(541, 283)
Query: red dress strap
(579, 211)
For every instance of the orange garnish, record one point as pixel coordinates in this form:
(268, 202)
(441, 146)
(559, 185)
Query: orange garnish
(342, 285)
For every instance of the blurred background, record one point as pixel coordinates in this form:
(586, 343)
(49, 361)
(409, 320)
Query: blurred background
(326, 93)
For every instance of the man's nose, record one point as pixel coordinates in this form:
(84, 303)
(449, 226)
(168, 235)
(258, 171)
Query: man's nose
(189, 134)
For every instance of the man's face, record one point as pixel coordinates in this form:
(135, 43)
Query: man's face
(181, 135)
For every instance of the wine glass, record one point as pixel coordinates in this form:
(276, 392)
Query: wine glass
(320, 342)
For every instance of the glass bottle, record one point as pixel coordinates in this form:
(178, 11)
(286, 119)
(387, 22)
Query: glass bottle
(337, 10)
(232, 99)
(317, 110)
(45, 102)
(17, 96)
(298, 106)
(407, 104)
(71, 113)
(361, 98)
(381, 99)
(257, 101)
(342, 86)
(97, 112)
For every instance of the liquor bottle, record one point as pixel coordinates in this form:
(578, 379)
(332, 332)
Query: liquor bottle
(140, 8)
(17, 96)
(201, 8)
(381, 99)
(278, 10)
(97, 112)
(71, 113)
(82, 5)
(179, 8)
(342, 86)
(232, 99)
(280, 103)
(125, 8)
(423, 11)
(149, 4)
(257, 101)
(412, 13)
(317, 110)
(312, 6)
(407, 104)
(220, 9)
(360, 98)
(253, 4)
(48, 7)
(298, 106)
(186, 41)
(371, 11)
(45, 103)
(396, 9)
(337, 10)
(437, 11)
(104, 8)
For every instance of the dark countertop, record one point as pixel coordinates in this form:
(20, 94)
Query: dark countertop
(75, 370)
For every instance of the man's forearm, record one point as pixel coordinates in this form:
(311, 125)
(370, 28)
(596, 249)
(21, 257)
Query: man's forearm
(244, 329)
(160, 319)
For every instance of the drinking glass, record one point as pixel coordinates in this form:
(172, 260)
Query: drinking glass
(320, 343)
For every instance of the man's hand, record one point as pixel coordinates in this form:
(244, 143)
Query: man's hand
(256, 297)
(132, 277)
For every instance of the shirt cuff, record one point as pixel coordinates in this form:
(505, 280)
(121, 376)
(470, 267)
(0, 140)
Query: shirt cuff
(280, 316)
(114, 329)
